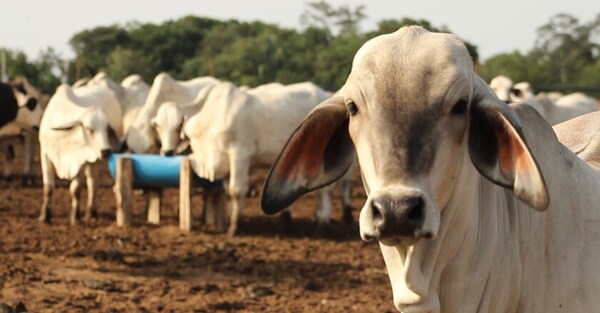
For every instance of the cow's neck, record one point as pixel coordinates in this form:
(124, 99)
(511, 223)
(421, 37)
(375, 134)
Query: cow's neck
(479, 246)
(446, 274)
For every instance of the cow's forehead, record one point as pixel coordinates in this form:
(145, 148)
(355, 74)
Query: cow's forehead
(411, 62)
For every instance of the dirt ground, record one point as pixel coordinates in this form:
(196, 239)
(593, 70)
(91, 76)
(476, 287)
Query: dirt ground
(97, 267)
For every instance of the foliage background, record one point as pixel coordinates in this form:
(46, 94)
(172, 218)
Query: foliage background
(566, 55)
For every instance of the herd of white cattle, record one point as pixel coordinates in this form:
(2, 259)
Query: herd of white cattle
(478, 204)
(230, 131)
(554, 107)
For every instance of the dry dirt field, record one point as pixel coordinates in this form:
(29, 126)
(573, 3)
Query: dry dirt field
(97, 267)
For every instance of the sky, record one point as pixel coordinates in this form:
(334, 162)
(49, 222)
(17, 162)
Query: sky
(494, 26)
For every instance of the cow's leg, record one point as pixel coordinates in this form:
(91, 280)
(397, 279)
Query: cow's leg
(91, 172)
(75, 189)
(323, 210)
(29, 139)
(48, 177)
(238, 186)
(9, 156)
(346, 193)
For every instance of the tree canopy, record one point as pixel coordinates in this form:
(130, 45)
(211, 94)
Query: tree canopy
(252, 53)
(566, 55)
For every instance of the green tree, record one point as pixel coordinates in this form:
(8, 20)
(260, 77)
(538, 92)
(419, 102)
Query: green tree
(515, 65)
(123, 62)
(92, 47)
(41, 72)
(334, 63)
(565, 47)
(321, 14)
(172, 42)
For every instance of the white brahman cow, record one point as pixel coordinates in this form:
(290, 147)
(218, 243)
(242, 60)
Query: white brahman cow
(79, 127)
(131, 94)
(502, 87)
(171, 117)
(581, 135)
(237, 130)
(20, 115)
(475, 203)
(141, 137)
(133, 81)
(554, 109)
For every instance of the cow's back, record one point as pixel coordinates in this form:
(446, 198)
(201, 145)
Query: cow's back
(571, 106)
(104, 99)
(279, 112)
(582, 136)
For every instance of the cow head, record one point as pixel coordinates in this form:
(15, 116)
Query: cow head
(417, 116)
(141, 137)
(502, 87)
(30, 111)
(94, 128)
(168, 124)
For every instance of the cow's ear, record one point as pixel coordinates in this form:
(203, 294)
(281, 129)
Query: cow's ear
(499, 150)
(318, 153)
(66, 124)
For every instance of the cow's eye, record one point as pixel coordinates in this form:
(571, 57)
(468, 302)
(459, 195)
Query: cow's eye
(351, 107)
(460, 107)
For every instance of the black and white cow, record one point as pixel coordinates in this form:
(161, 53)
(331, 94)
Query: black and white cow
(20, 114)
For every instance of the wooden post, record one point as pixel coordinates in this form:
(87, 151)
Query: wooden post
(154, 206)
(123, 190)
(185, 187)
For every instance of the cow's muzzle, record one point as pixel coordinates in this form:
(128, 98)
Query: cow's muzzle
(391, 219)
(105, 153)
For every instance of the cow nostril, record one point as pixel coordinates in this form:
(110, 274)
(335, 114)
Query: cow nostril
(377, 208)
(415, 209)
(169, 153)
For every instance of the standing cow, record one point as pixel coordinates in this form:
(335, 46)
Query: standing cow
(131, 94)
(20, 115)
(79, 127)
(476, 205)
(237, 130)
(141, 136)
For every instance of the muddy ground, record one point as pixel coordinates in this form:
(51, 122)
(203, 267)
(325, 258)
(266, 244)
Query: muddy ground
(97, 267)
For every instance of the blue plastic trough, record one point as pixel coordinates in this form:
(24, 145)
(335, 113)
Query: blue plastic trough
(156, 171)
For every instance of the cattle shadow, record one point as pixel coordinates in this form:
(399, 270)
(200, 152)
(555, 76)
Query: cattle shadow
(229, 265)
(270, 226)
